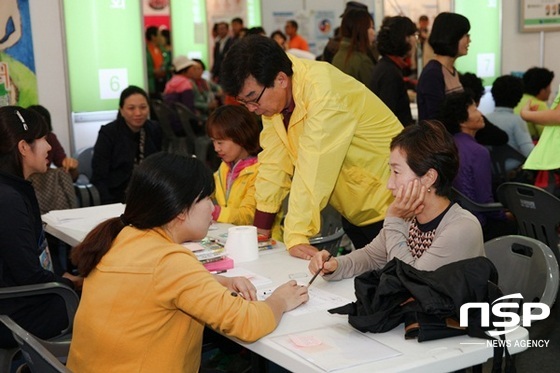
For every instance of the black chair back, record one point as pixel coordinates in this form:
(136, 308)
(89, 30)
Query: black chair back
(499, 155)
(536, 210)
(200, 142)
(171, 142)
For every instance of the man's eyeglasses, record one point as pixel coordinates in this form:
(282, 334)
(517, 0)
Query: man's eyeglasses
(254, 102)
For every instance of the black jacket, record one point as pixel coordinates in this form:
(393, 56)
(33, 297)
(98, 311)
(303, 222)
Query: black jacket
(388, 84)
(381, 293)
(21, 235)
(21, 241)
(114, 154)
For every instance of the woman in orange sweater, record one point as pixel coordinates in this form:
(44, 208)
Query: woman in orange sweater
(146, 298)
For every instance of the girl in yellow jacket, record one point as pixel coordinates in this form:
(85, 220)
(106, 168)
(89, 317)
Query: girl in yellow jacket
(235, 134)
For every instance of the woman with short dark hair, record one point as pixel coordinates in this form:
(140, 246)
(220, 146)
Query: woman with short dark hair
(422, 226)
(450, 40)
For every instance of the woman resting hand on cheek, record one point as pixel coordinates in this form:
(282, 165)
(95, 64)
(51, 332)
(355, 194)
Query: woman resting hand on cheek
(422, 226)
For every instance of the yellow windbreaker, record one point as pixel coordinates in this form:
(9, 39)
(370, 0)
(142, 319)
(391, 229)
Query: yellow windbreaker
(238, 206)
(336, 151)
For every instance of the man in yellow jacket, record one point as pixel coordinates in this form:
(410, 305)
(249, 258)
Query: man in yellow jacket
(325, 140)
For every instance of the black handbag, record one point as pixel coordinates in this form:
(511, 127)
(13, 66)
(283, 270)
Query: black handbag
(425, 327)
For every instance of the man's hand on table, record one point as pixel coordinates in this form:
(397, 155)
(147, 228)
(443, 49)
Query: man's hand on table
(303, 251)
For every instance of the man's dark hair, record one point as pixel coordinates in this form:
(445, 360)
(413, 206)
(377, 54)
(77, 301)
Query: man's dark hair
(447, 30)
(257, 30)
(537, 78)
(237, 20)
(202, 64)
(507, 91)
(256, 56)
(293, 23)
(150, 32)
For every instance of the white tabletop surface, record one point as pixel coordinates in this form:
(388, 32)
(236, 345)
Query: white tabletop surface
(72, 226)
(278, 266)
(442, 355)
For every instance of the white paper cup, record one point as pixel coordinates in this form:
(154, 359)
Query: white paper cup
(241, 244)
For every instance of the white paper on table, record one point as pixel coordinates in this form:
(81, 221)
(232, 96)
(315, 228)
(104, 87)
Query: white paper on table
(256, 279)
(89, 216)
(340, 347)
(193, 246)
(319, 300)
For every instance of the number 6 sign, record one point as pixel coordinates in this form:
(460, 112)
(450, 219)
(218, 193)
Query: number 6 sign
(112, 82)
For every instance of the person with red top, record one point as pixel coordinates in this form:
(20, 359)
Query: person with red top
(57, 155)
(296, 41)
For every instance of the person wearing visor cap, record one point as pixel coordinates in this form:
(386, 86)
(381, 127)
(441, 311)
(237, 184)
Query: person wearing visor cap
(354, 5)
(179, 88)
(334, 42)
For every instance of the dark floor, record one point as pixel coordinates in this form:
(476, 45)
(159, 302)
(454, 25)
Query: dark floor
(543, 359)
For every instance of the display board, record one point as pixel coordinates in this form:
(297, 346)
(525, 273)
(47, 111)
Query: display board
(539, 15)
(317, 19)
(105, 49)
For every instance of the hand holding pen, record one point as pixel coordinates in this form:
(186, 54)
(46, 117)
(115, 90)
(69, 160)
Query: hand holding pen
(322, 262)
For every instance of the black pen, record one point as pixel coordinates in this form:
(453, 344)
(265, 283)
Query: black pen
(319, 271)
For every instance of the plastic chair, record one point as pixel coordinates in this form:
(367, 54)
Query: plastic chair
(201, 142)
(84, 157)
(536, 210)
(37, 356)
(60, 342)
(499, 155)
(331, 231)
(87, 193)
(525, 265)
(165, 117)
(470, 205)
